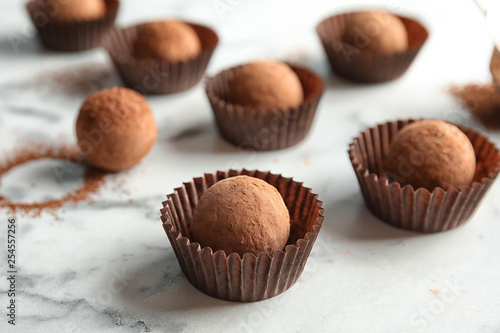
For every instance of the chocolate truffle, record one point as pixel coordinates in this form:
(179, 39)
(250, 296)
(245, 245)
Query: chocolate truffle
(265, 84)
(430, 154)
(495, 66)
(115, 128)
(376, 31)
(168, 40)
(77, 10)
(241, 214)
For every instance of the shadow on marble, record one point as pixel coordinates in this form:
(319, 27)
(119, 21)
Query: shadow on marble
(201, 138)
(350, 218)
(160, 286)
(15, 43)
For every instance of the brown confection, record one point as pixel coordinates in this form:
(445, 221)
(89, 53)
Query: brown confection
(241, 214)
(169, 40)
(430, 154)
(115, 128)
(495, 66)
(376, 31)
(265, 84)
(78, 10)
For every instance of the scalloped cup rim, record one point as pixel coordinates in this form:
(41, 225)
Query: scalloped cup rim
(412, 47)
(366, 173)
(192, 243)
(217, 99)
(128, 58)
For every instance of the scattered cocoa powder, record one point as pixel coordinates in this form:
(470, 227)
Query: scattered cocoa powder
(482, 101)
(92, 179)
(76, 81)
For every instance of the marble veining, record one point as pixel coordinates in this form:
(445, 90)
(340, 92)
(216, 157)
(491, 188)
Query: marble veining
(105, 265)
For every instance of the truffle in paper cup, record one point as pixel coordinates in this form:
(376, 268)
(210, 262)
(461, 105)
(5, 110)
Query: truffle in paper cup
(71, 35)
(264, 129)
(227, 275)
(154, 77)
(351, 63)
(421, 209)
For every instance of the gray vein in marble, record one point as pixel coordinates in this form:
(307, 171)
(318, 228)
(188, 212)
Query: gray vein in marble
(26, 111)
(126, 320)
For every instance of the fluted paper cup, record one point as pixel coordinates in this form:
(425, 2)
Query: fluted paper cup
(264, 129)
(227, 275)
(421, 209)
(71, 35)
(151, 76)
(353, 64)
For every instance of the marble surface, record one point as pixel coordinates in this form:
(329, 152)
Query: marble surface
(108, 266)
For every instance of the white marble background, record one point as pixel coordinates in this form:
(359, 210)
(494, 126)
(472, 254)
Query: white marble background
(108, 266)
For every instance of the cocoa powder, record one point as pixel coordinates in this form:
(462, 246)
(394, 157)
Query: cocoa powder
(92, 178)
(76, 81)
(482, 101)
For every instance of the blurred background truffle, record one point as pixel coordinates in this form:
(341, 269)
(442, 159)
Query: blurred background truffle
(430, 154)
(265, 84)
(241, 214)
(167, 40)
(376, 31)
(115, 128)
(76, 10)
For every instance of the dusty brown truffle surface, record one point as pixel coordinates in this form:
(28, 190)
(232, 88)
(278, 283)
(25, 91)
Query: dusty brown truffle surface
(376, 31)
(265, 84)
(495, 66)
(167, 40)
(79, 10)
(430, 154)
(241, 214)
(115, 128)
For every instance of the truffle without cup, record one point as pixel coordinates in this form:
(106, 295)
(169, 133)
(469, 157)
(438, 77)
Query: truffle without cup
(248, 278)
(418, 210)
(351, 63)
(153, 76)
(264, 129)
(70, 35)
(115, 128)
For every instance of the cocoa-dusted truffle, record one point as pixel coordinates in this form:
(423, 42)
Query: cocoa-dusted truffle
(241, 214)
(78, 10)
(495, 66)
(167, 40)
(265, 84)
(115, 128)
(430, 154)
(376, 31)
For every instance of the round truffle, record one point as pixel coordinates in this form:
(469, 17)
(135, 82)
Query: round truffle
(495, 66)
(168, 40)
(265, 84)
(115, 128)
(76, 10)
(240, 215)
(430, 154)
(376, 31)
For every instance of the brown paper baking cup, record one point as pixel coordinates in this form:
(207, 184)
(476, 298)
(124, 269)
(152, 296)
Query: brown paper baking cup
(350, 63)
(153, 77)
(418, 210)
(228, 276)
(70, 36)
(264, 129)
